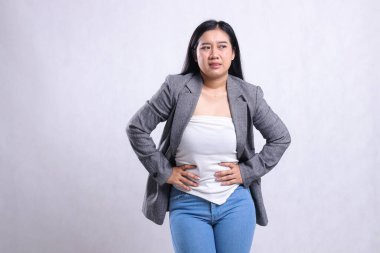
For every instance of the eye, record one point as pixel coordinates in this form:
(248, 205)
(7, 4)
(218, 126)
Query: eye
(205, 47)
(222, 46)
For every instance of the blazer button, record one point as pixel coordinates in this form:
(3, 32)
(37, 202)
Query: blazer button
(155, 174)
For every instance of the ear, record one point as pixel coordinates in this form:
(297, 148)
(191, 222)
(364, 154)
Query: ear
(233, 54)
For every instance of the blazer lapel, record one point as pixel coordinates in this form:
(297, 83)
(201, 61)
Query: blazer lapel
(187, 102)
(238, 108)
(185, 107)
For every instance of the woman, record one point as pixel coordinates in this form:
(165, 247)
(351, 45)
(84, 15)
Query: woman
(205, 171)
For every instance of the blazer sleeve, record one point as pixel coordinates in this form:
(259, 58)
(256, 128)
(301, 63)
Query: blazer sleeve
(277, 139)
(157, 109)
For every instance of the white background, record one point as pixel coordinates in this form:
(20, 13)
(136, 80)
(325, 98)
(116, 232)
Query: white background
(72, 73)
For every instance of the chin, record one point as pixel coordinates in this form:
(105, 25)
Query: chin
(214, 74)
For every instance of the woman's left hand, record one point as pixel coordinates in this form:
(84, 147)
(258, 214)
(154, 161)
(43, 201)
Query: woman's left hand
(231, 176)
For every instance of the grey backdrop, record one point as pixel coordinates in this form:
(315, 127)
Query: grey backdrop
(73, 73)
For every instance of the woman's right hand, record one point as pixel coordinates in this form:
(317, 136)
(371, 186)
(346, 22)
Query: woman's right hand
(181, 177)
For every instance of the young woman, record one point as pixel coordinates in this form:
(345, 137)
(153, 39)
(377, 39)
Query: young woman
(205, 171)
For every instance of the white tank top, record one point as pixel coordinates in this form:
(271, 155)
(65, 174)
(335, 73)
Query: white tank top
(206, 141)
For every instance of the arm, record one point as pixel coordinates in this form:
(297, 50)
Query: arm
(142, 123)
(277, 141)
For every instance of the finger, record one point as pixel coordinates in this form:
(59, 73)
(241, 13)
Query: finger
(226, 178)
(188, 181)
(226, 164)
(185, 187)
(190, 175)
(222, 173)
(229, 182)
(188, 166)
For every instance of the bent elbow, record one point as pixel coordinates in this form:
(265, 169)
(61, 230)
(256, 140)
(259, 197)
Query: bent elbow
(288, 138)
(130, 129)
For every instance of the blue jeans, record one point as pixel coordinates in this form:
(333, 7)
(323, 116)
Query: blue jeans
(198, 225)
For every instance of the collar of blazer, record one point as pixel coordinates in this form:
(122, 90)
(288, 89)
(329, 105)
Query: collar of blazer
(188, 99)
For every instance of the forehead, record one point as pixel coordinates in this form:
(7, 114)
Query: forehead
(214, 36)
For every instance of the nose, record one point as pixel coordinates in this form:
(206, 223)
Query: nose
(213, 54)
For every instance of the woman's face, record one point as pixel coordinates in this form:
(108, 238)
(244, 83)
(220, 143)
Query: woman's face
(214, 54)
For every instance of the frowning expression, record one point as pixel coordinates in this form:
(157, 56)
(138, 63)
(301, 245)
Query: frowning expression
(214, 54)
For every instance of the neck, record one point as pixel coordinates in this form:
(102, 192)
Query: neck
(215, 84)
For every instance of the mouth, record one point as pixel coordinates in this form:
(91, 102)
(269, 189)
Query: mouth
(215, 65)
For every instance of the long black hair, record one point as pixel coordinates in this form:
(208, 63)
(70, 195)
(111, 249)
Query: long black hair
(191, 66)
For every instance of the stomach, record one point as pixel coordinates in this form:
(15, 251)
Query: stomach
(206, 172)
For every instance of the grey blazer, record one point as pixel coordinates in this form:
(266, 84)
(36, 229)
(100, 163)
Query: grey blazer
(175, 103)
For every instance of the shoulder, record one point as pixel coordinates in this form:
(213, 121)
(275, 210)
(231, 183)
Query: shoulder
(177, 81)
(179, 77)
(172, 86)
(248, 89)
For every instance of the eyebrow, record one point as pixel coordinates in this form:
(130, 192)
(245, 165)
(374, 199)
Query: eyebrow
(219, 42)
